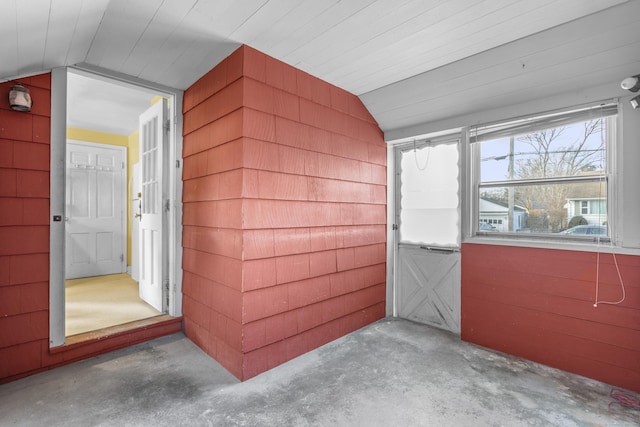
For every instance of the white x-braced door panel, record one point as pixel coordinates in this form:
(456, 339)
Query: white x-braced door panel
(430, 287)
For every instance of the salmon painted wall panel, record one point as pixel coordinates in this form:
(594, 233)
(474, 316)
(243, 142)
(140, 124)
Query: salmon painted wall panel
(213, 185)
(307, 226)
(539, 304)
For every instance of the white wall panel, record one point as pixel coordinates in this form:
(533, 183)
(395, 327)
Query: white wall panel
(91, 14)
(122, 26)
(9, 48)
(587, 52)
(404, 54)
(155, 38)
(32, 21)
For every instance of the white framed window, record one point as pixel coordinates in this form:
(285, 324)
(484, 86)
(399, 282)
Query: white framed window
(545, 175)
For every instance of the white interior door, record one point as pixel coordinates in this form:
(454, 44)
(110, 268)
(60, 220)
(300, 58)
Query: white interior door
(427, 288)
(153, 143)
(95, 233)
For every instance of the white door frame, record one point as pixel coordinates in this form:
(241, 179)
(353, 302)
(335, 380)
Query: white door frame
(57, 190)
(392, 204)
(427, 276)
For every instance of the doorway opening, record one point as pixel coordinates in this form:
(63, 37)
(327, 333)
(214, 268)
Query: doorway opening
(427, 232)
(117, 264)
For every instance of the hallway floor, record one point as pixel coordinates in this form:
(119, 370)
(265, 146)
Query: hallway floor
(391, 373)
(99, 302)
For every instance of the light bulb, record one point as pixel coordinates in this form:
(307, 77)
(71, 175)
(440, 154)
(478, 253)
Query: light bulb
(631, 83)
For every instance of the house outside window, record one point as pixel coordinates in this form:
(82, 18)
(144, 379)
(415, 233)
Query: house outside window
(496, 213)
(544, 174)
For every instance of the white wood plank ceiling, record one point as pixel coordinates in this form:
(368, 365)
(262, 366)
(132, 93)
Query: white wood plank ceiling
(409, 60)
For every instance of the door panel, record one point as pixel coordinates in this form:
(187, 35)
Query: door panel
(79, 243)
(430, 287)
(152, 146)
(79, 194)
(428, 234)
(104, 245)
(105, 188)
(95, 209)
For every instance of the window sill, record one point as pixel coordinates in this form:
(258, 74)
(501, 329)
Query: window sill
(603, 247)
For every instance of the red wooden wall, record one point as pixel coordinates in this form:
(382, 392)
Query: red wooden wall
(284, 213)
(24, 245)
(284, 240)
(538, 304)
(24, 228)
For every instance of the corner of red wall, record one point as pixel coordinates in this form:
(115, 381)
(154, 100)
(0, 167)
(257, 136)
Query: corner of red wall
(309, 167)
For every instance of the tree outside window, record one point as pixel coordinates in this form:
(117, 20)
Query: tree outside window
(545, 177)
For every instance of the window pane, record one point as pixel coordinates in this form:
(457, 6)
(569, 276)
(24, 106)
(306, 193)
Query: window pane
(572, 150)
(545, 208)
(598, 207)
(429, 195)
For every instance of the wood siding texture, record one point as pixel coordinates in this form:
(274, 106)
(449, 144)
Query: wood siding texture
(284, 213)
(24, 245)
(539, 304)
(24, 229)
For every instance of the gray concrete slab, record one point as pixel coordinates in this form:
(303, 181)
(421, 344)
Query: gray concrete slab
(391, 373)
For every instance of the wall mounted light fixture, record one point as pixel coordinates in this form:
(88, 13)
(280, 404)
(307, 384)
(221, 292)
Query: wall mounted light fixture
(632, 84)
(20, 98)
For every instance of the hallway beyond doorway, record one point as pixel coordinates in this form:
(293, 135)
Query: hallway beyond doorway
(100, 302)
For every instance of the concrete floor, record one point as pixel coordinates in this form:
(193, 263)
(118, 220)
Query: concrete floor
(391, 373)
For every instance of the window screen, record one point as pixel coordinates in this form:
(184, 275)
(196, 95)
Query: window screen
(429, 194)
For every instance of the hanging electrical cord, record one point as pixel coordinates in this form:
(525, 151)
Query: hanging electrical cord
(625, 400)
(415, 156)
(615, 262)
(613, 253)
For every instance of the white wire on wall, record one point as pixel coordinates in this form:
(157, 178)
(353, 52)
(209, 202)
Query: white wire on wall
(615, 260)
(415, 156)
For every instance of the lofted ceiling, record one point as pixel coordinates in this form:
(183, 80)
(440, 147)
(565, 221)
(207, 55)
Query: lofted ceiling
(104, 106)
(410, 61)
